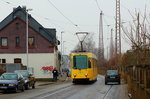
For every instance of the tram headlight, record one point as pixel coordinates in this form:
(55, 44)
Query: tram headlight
(86, 75)
(74, 75)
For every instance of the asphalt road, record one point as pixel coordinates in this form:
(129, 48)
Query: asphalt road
(67, 90)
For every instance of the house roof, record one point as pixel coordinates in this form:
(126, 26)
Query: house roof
(48, 33)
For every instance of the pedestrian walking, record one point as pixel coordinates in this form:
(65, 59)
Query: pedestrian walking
(55, 74)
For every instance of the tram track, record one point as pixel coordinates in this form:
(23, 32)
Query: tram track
(103, 93)
(107, 92)
(57, 93)
(97, 90)
(49, 93)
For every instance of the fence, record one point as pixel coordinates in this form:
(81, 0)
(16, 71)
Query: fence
(138, 80)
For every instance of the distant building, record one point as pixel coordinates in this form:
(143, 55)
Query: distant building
(65, 63)
(42, 43)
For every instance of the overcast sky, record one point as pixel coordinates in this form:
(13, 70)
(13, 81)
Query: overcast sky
(83, 13)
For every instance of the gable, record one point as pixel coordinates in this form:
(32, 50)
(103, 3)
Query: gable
(21, 12)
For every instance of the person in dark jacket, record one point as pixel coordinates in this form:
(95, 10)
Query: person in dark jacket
(55, 74)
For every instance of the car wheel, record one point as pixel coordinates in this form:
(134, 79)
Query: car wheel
(119, 82)
(74, 82)
(16, 90)
(105, 83)
(27, 87)
(96, 79)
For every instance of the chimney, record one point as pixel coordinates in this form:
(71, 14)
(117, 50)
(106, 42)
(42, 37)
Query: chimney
(14, 8)
(24, 7)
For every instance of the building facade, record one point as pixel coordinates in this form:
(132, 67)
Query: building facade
(65, 63)
(42, 43)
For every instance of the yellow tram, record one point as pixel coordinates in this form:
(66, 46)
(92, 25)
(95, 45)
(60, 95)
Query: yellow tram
(83, 67)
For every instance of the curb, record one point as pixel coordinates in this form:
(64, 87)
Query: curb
(56, 82)
(49, 83)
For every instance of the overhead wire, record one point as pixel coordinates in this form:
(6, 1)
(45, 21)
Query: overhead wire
(48, 19)
(98, 5)
(104, 14)
(55, 24)
(8, 2)
(63, 15)
(45, 18)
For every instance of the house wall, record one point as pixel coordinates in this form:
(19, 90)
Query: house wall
(42, 45)
(36, 60)
(43, 54)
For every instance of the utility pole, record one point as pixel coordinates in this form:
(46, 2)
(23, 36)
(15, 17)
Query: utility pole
(118, 30)
(61, 61)
(63, 52)
(27, 36)
(111, 45)
(101, 44)
(118, 34)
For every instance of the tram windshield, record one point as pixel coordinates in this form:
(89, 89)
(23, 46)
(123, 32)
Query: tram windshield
(80, 62)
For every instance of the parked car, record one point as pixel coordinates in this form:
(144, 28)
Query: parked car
(112, 76)
(29, 79)
(12, 81)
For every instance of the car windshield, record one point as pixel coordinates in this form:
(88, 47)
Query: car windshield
(9, 77)
(112, 72)
(23, 73)
(80, 62)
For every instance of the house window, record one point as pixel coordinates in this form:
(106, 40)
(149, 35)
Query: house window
(17, 41)
(17, 60)
(3, 60)
(17, 26)
(31, 41)
(4, 41)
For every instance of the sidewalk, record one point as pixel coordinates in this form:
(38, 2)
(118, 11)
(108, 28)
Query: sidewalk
(61, 79)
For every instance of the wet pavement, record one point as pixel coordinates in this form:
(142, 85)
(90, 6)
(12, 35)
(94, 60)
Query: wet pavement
(65, 89)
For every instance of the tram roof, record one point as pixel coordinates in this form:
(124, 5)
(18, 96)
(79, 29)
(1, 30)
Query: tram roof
(89, 54)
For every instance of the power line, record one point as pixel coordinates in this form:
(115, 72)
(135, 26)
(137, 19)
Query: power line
(62, 14)
(103, 14)
(98, 5)
(53, 22)
(48, 19)
(8, 2)
(45, 18)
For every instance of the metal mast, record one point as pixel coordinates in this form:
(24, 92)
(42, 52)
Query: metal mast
(118, 30)
(111, 45)
(101, 44)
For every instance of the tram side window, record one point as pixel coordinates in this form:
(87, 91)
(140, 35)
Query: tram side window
(89, 63)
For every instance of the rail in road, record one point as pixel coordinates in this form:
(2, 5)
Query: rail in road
(56, 92)
(107, 92)
(96, 90)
